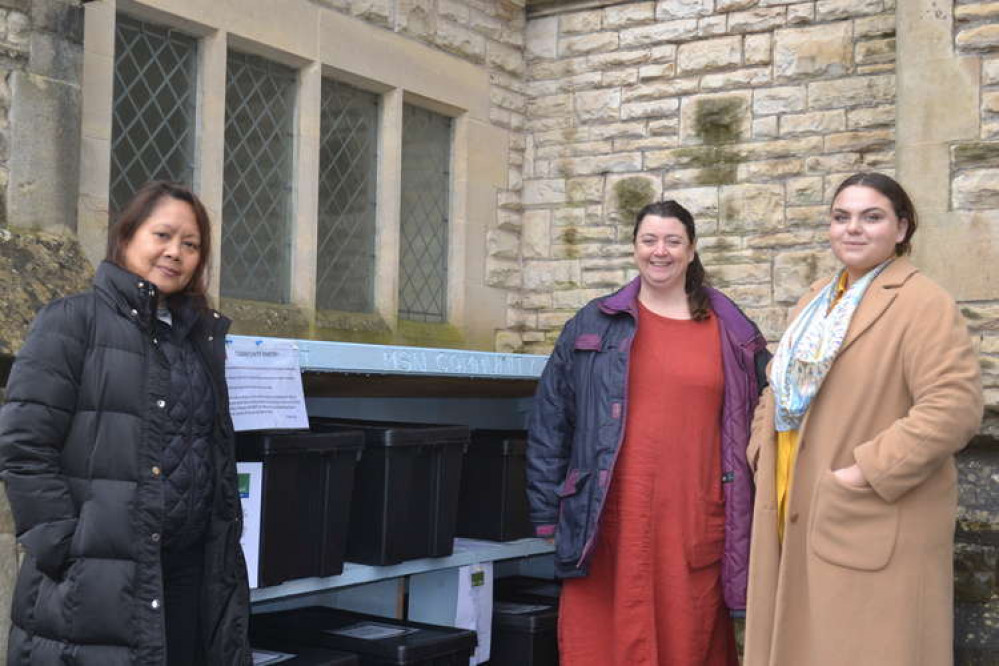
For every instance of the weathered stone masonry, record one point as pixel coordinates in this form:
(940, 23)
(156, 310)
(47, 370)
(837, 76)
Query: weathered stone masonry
(747, 111)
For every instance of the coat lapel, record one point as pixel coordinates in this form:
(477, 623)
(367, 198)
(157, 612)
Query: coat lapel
(878, 299)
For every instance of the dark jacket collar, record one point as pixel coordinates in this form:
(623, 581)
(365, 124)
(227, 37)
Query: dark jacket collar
(740, 326)
(131, 293)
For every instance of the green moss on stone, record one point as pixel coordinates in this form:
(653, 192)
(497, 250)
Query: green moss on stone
(632, 194)
(35, 268)
(717, 122)
(570, 237)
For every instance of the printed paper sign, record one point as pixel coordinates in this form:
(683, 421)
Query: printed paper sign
(265, 385)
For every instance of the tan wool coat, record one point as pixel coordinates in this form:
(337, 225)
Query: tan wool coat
(866, 575)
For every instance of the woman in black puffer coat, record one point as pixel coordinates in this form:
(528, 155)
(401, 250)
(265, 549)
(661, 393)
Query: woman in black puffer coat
(117, 452)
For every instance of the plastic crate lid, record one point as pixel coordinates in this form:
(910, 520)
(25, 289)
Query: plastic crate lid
(392, 641)
(498, 443)
(301, 655)
(259, 444)
(394, 433)
(526, 585)
(525, 616)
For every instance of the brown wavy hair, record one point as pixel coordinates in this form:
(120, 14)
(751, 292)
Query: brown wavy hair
(889, 188)
(697, 279)
(138, 210)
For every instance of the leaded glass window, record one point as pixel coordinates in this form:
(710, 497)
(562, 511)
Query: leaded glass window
(426, 185)
(153, 107)
(257, 178)
(348, 161)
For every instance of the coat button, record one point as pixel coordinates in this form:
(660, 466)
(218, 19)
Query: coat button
(161, 403)
(215, 314)
(210, 338)
(156, 470)
(155, 536)
(134, 312)
(141, 285)
(155, 604)
(156, 341)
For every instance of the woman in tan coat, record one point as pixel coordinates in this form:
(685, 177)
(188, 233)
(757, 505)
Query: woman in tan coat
(874, 387)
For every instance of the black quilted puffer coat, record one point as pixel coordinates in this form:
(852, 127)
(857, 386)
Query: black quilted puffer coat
(82, 437)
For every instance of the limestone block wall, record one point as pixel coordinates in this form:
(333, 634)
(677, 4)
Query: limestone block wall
(749, 112)
(40, 45)
(974, 202)
(974, 170)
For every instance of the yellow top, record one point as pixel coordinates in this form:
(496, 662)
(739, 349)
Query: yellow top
(787, 445)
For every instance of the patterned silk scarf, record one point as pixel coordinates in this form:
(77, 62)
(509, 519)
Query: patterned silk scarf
(809, 346)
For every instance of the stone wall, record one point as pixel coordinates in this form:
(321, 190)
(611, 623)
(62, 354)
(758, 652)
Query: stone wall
(748, 112)
(974, 169)
(40, 259)
(975, 178)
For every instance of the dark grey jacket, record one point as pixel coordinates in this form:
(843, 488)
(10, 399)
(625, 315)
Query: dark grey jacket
(81, 440)
(578, 424)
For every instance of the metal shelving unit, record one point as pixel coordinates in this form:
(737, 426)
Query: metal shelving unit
(382, 382)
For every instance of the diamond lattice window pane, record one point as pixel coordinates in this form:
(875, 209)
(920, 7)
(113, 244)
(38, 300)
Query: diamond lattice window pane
(153, 108)
(256, 195)
(348, 154)
(426, 185)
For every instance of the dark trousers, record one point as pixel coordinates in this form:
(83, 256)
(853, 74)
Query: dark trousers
(182, 578)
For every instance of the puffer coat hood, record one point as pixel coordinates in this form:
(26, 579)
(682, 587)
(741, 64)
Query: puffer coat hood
(82, 437)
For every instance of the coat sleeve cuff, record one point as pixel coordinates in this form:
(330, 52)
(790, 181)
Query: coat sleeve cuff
(544, 531)
(49, 543)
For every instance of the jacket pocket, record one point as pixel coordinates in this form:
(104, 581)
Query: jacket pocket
(588, 342)
(573, 515)
(705, 539)
(852, 527)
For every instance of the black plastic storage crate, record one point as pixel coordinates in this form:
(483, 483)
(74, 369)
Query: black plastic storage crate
(524, 634)
(302, 656)
(493, 502)
(406, 493)
(308, 480)
(528, 589)
(375, 640)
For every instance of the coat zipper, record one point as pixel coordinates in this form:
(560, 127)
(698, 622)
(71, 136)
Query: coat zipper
(588, 546)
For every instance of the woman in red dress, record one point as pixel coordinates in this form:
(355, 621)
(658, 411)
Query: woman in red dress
(636, 461)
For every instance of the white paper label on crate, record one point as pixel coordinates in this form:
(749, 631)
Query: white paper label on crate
(510, 608)
(475, 606)
(266, 657)
(250, 478)
(372, 631)
(265, 385)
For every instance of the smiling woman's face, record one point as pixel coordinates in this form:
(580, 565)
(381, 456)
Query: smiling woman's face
(863, 229)
(662, 252)
(166, 248)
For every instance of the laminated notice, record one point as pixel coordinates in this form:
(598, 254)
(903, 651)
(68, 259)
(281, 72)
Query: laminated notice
(372, 631)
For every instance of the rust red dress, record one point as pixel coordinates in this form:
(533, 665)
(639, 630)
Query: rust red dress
(654, 594)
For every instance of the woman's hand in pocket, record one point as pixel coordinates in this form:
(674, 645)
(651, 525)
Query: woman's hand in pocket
(851, 476)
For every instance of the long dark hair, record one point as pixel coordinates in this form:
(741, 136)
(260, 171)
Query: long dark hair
(694, 285)
(889, 188)
(138, 210)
